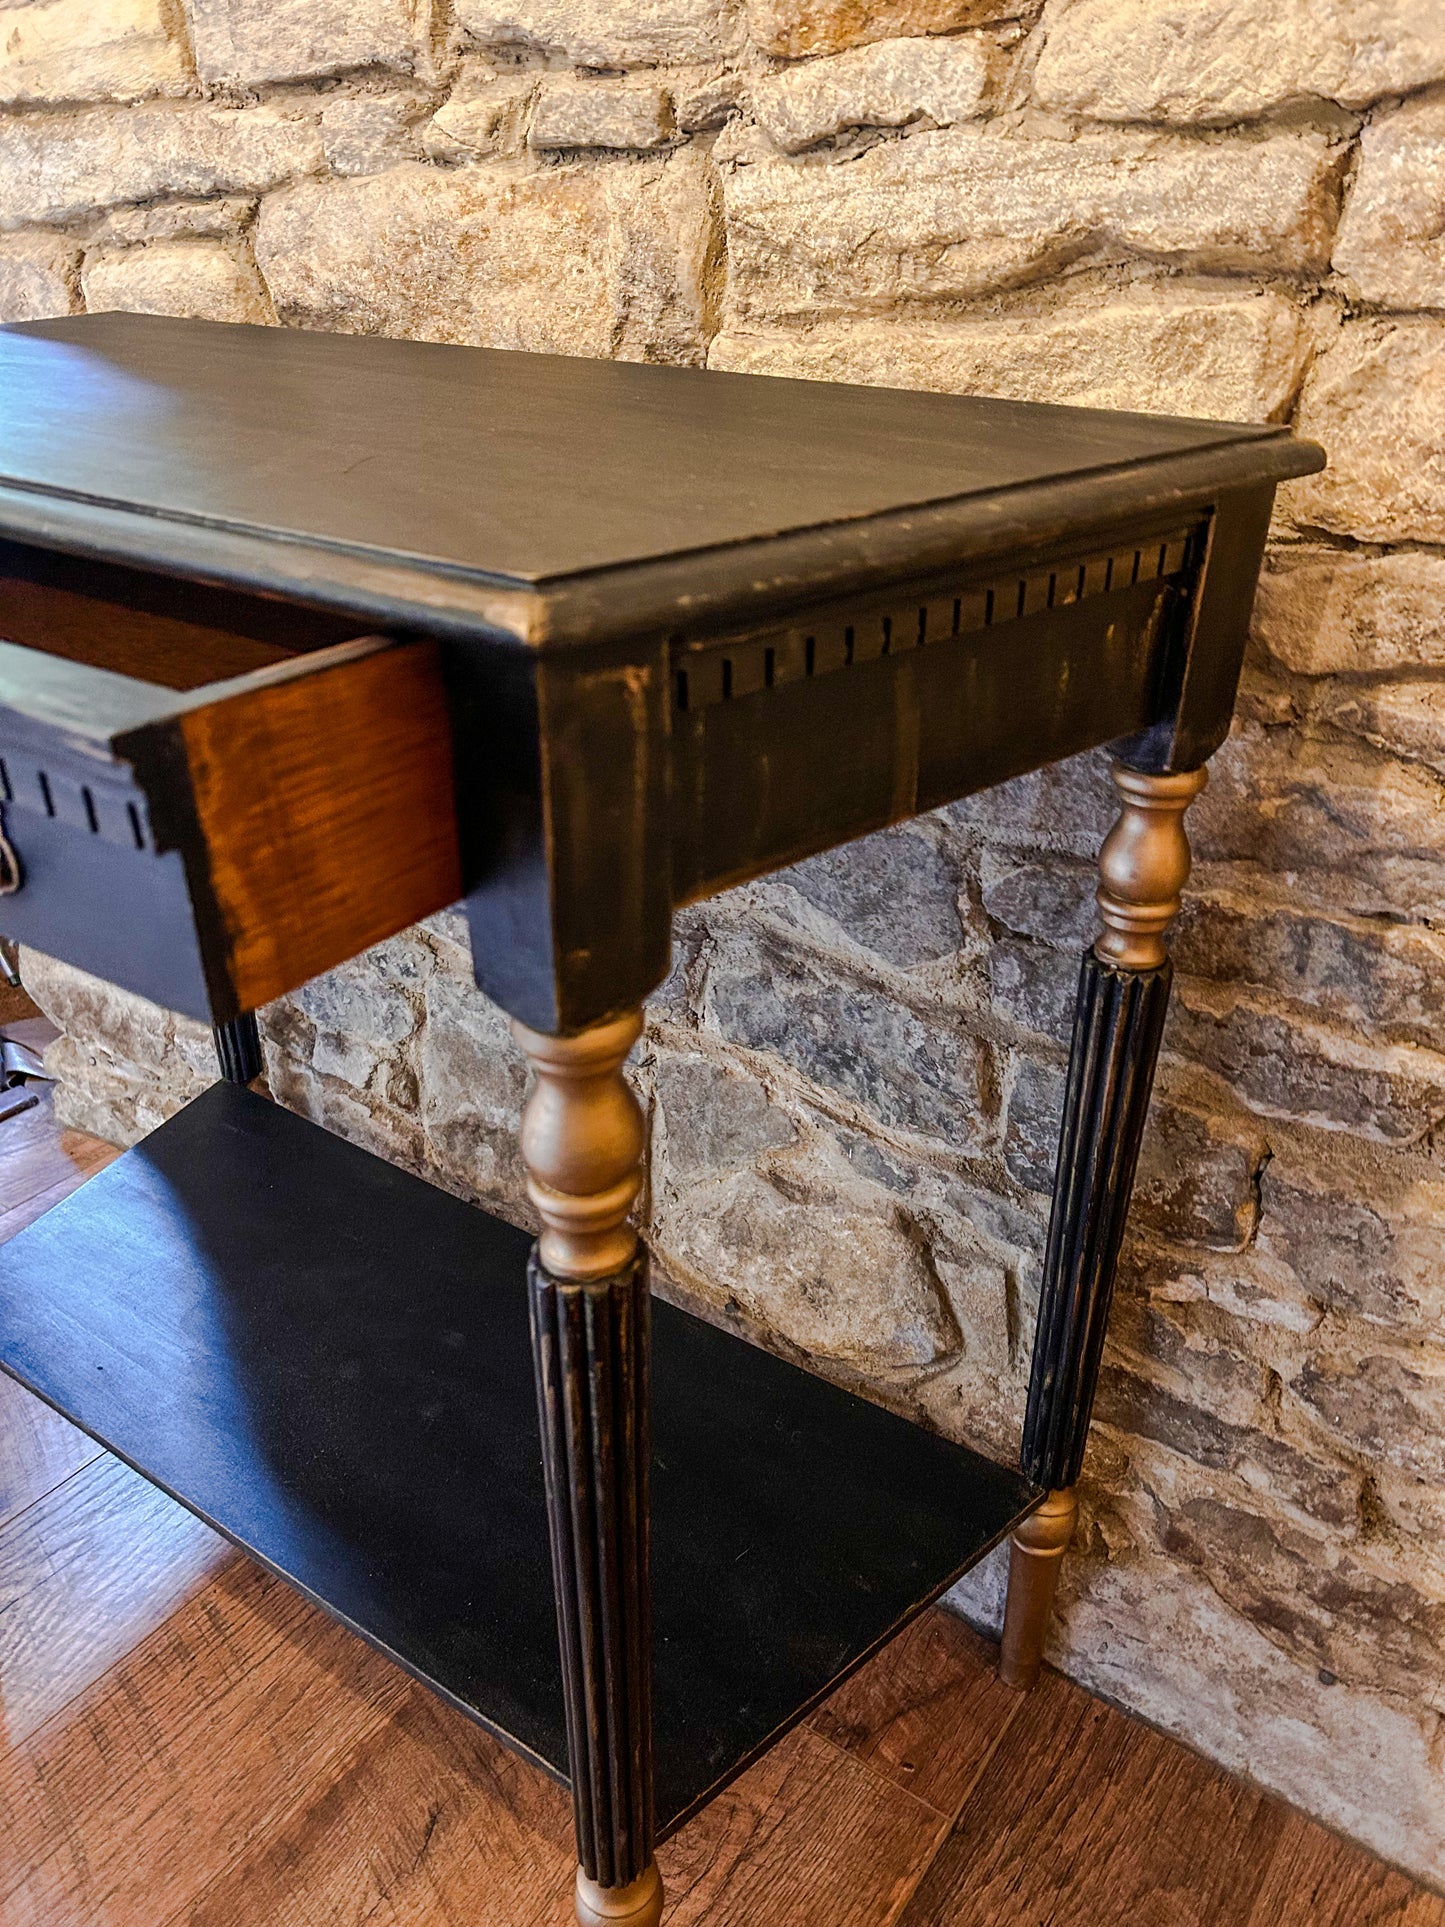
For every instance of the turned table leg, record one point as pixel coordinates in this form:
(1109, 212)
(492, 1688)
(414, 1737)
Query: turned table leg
(582, 1140)
(1118, 1021)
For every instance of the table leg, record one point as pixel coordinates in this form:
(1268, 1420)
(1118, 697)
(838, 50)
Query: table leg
(582, 1141)
(238, 1048)
(1118, 1022)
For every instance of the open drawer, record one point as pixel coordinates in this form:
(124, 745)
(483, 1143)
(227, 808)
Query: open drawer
(209, 798)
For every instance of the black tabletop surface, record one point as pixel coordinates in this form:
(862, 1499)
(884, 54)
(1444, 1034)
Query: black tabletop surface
(462, 481)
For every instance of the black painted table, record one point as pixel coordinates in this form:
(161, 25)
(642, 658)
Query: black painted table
(307, 637)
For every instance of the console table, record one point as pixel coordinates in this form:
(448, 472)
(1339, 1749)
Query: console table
(307, 637)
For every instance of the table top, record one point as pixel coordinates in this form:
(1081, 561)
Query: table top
(543, 498)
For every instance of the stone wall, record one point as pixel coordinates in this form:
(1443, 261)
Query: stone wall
(1231, 207)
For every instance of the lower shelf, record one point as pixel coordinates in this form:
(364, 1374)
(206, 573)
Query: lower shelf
(328, 1360)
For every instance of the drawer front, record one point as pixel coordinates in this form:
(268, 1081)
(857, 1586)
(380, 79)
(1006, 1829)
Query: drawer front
(221, 851)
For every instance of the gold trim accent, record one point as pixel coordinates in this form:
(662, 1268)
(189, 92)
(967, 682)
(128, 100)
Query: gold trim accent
(1036, 1553)
(1144, 865)
(639, 1905)
(582, 1143)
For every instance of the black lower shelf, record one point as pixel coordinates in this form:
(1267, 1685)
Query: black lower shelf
(328, 1360)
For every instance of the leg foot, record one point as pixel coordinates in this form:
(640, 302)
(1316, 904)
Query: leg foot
(637, 1905)
(1035, 1555)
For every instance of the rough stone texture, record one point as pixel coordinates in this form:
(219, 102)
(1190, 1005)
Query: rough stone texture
(1229, 60)
(605, 33)
(1376, 399)
(220, 220)
(797, 27)
(124, 1065)
(200, 278)
(887, 84)
(954, 214)
(485, 113)
(53, 51)
(1325, 612)
(1391, 246)
(39, 276)
(241, 43)
(1239, 356)
(598, 113)
(563, 260)
(59, 167)
(853, 1074)
(365, 133)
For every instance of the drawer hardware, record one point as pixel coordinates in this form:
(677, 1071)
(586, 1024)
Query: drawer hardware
(12, 874)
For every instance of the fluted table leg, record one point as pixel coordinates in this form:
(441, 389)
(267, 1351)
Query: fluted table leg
(582, 1141)
(1118, 1022)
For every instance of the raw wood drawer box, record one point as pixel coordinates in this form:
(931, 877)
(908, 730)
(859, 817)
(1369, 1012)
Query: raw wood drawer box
(213, 806)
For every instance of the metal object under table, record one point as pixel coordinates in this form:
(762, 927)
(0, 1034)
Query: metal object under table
(305, 638)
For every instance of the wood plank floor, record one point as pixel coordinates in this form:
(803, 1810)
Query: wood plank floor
(187, 1744)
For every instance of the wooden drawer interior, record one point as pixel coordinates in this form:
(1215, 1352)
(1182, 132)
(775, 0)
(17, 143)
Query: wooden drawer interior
(261, 790)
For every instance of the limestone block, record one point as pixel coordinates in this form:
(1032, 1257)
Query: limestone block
(705, 97)
(1407, 718)
(794, 28)
(886, 84)
(1373, 1627)
(124, 1065)
(1280, 1065)
(1033, 986)
(1389, 1406)
(1031, 1127)
(909, 1070)
(841, 1282)
(54, 51)
(242, 43)
(200, 278)
(219, 220)
(367, 133)
(858, 890)
(1376, 400)
(1197, 1182)
(39, 276)
(60, 167)
(606, 33)
(1229, 60)
(1239, 357)
(1364, 1247)
(958, 213)
(1067, 808)
(473, 1081)
(570, 260)
(601, 113)
(485, 113)
(714, 1116)
(1391, 245)
(1136, 1404)
(1374, 974)
(1047, 897)
(1353, 829)
(1325, 612)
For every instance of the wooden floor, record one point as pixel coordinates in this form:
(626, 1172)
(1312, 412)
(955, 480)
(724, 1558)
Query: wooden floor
(185, 1741)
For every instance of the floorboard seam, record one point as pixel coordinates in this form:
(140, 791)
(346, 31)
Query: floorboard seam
(13, 1518)
(899, 1918)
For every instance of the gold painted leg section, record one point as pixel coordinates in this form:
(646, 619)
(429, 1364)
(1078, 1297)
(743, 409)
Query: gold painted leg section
(582, 1143)
(1144, 866)
(639, 1905)
(1035, 1556)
